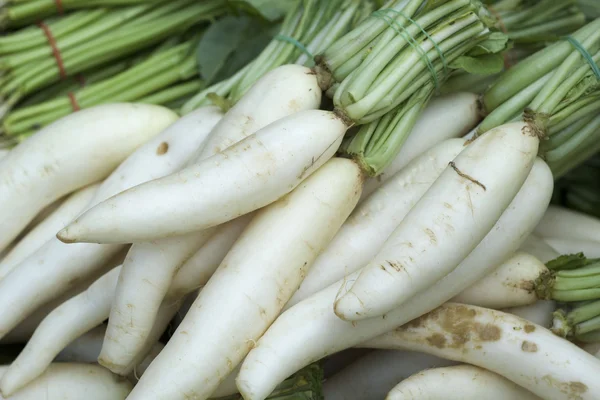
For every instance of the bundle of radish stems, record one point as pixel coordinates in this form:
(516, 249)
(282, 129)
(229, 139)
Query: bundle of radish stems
(336, 218)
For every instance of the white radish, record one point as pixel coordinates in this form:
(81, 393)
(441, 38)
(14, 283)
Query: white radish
(512, 284)
(198, 269)
(151, 266)
(165, 315)
(527, 354)
(28, 286)
(49, 209)
(67, 322)
(281, 92)
(3, 153)
(460, 382)
(538, 247)
(373, 375)
(591, 249)
(144, 280)
(46, 229)
(148, 359)
(191, 276)
(539, 312)
(376, 217)
(445, 117)
(71, 381)
(310, 330)
(242, 178)
(258, 278)
(70, 153)
(23, 331)
(560, 222)
(445, 225)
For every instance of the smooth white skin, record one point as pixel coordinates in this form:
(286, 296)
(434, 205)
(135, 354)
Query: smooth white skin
(67, 322)
(460, 382)
(165, 315)
(527, 354)
(242, 178)
(198, 269)
(310, 330)
(191, 276)
(259, 279)
(591, 249)
(28, 286)
(147, 273)
(46, 229)
(539, 312)
(376, 217)
(538, 247)
(510, 285)
(71, 381)
(445, 117)
(23, 331)
(373, 375)
(563, 223)
(445, 225)
(281, 92)
(75, 151)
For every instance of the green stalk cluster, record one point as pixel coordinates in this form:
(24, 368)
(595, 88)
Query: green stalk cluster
(16, 13)
(557, 90)
(313, 24)
(163, 77)
(384, 72)
(534, 23)
(574, 282)
(306, 384)
(396, 52)
(530, 25)
(131, 30)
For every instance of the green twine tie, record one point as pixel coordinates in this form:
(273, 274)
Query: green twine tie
(296, 43)
(392, 23)
(588, 57)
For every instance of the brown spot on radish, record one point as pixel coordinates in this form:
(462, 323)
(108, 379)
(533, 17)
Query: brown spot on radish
(488, 332)
(162, 148)
(577, 387)
(529, 328)
(529, 347)
(572, 389)
(460, 323)
(396, 266)
(448, 206)
(431, 234)
(438, 340)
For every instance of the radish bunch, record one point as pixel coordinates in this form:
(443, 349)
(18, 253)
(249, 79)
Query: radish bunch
(227, 252)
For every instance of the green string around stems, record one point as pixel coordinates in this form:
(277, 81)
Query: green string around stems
(588, 57)
(296, 43)
(412, 41)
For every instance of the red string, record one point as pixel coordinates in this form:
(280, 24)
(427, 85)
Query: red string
(508, 62)
(74, 104)
(59, 7)
(55, 51)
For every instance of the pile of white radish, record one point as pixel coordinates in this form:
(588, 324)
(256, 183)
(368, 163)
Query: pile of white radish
(273, 253)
